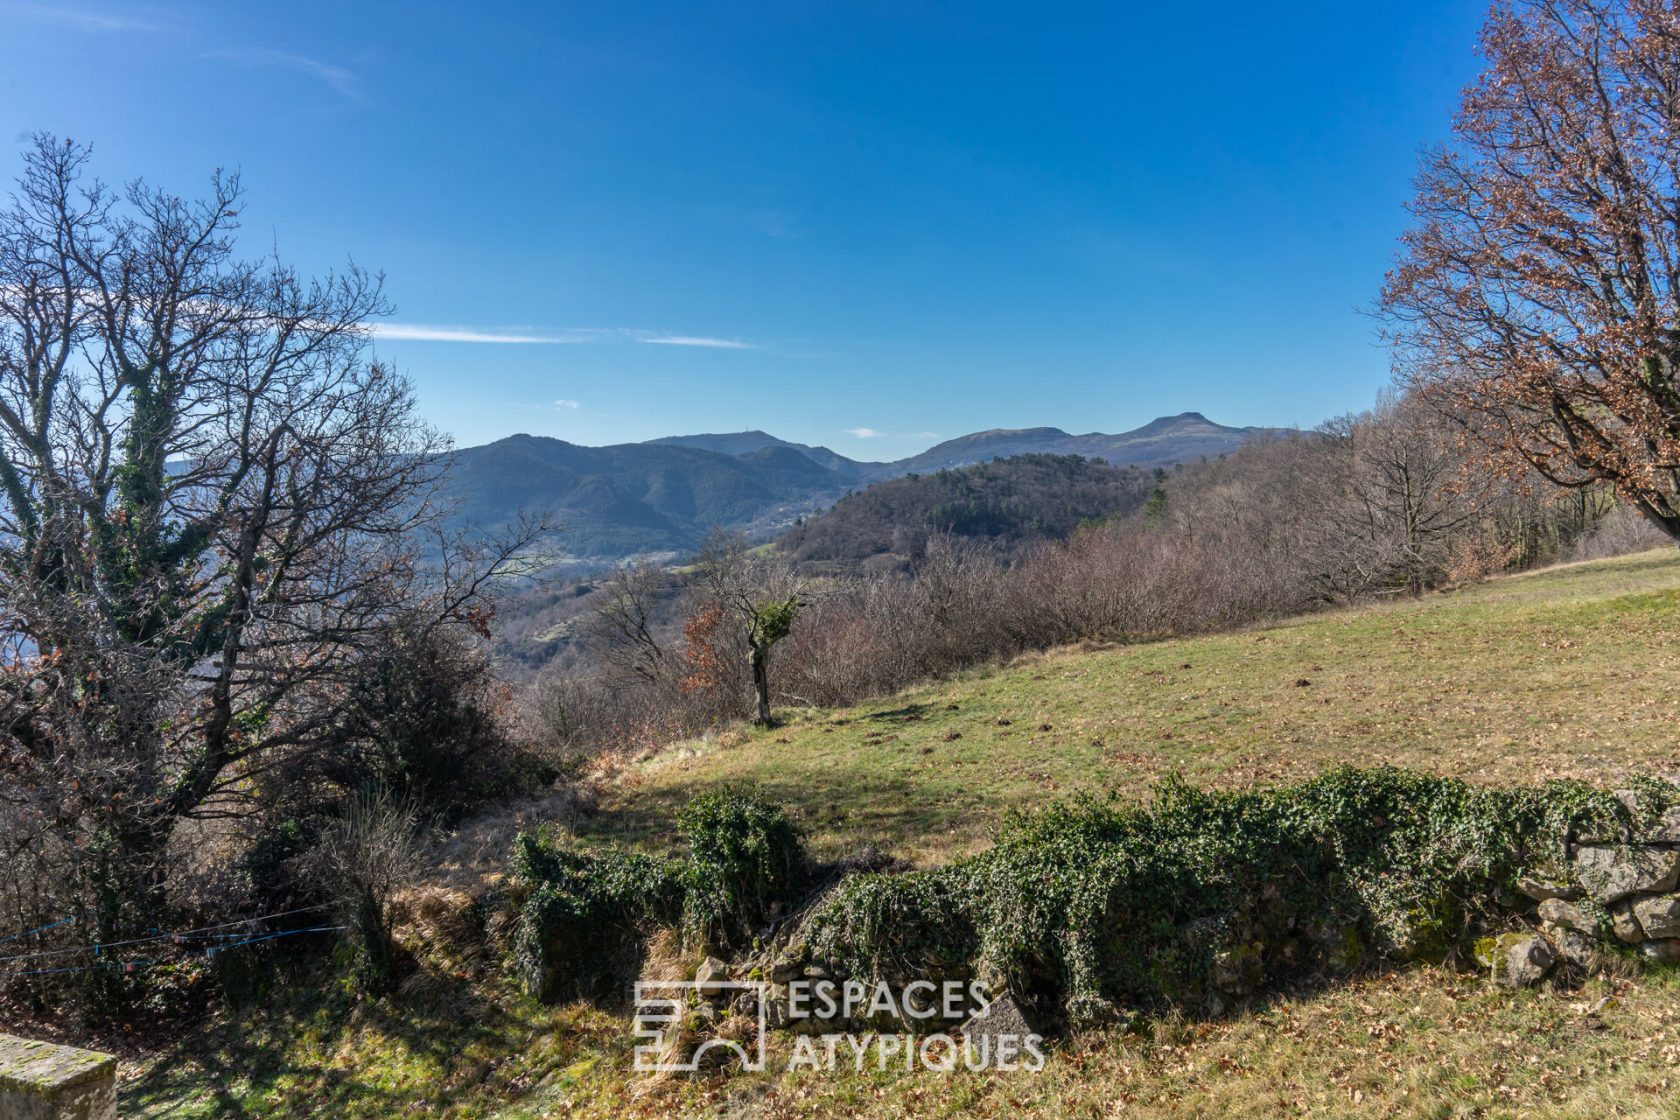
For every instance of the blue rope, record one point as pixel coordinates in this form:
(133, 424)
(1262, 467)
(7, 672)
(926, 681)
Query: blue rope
(38, 929)
(136, 966)
(214, 949)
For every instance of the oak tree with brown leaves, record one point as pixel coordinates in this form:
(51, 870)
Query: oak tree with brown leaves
(1536, 297)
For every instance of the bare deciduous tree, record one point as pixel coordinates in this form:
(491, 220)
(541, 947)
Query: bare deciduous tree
(208, 496)
(1536, 299)
(1405, 498)
(622, 629)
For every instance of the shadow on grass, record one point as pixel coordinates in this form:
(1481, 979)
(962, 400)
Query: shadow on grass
(409, 1051)
(908, 713)
(888, 810)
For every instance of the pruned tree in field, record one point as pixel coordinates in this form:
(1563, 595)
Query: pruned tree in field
(1536, 297)
(209, 497)
(760, 596)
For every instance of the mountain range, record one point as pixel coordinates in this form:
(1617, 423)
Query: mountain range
(662, 497)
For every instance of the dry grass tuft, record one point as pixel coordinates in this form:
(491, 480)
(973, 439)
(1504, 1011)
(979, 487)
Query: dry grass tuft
(434, 917)
(475, 855)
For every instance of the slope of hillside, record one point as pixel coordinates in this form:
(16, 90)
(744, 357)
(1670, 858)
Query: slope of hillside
(746, 443)
(1161, 442)
(1431, 684)
(1566, 672)
(629, 498)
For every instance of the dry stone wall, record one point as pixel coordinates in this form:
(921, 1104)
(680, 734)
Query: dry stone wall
(1612, 890)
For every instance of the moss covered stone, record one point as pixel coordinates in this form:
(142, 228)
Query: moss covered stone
(1517, 960)
(40, 1081)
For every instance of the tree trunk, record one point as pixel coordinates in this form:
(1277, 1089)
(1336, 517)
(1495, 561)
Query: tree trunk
(1661, 517)
(761, 684)
(377, 970)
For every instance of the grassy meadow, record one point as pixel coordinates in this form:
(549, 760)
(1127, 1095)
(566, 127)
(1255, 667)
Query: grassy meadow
(1567, 672)
(1573, 671)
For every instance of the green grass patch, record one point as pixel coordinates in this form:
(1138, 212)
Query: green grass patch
(1572, 672)
(1419, 1043)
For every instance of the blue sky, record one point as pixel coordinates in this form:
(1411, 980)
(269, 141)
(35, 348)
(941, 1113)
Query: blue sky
(864, 225)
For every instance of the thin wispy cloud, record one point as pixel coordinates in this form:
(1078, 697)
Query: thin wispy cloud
(425, 332)
(567, 404)
(77, 18)
(876, 433)
(774, 224)
(336, 78)
(691, 340)
(544, 336)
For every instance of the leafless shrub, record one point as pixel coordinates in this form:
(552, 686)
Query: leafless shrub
(364, 858)
(1621, 532)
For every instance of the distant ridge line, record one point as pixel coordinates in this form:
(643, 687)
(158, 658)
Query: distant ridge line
(664, 495)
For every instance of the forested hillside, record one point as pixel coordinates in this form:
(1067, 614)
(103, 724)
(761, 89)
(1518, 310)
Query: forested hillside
(1006, 502)
(622, 500)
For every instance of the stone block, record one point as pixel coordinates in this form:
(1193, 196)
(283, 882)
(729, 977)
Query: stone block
(40, 1081)
(1566, 915)
(1611, 873)
(1517, 960)
(1541, 889)
(1662, 952)
(1625, 925)
(997, 1036)
(710, 978)
(1659, 915)
(1663, 829)
(1579, 950)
